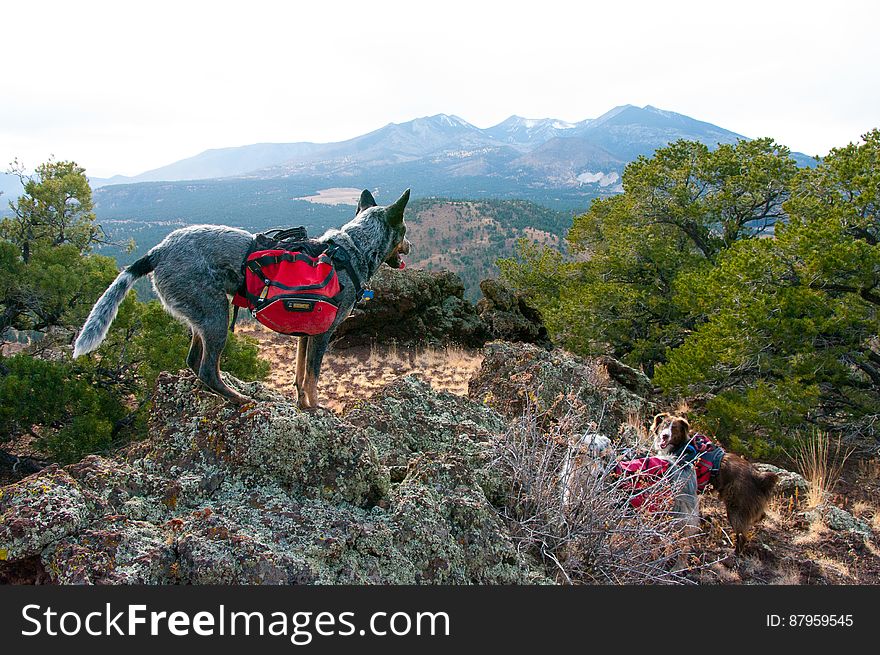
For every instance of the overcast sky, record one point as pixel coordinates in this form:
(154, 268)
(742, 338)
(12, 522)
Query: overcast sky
(123, 87)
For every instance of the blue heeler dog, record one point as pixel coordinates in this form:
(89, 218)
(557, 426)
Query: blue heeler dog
(195, 270)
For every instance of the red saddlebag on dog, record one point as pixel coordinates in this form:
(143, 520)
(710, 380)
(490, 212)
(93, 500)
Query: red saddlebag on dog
(642, 479)
(290, 288)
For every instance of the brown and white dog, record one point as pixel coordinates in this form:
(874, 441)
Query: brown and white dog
(744, 490)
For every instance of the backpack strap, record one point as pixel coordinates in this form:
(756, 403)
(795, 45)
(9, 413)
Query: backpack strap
(234, 318)
(715, 456)
(242, 289)
(339, 254)
(686, 454)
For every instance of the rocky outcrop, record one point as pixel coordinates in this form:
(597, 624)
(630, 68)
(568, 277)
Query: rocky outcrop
(517, 376)
(509, 317)
(403, 489)
(416, 306)
(398, 492)
(413, 306)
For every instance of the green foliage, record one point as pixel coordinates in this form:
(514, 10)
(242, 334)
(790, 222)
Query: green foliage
(47, 277)
(792, 322)
(679, 210)
(537, 270)
(240, 358)
(56, 209)
(49, 281)
(736, 281)
(68, 414)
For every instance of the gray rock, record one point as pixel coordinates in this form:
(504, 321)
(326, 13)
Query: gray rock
(789, 482)
(841, 520)
(509, 316)
(266, 494)
(516, 376)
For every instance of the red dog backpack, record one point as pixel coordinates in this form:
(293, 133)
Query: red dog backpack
(288, 289)
(641, 479)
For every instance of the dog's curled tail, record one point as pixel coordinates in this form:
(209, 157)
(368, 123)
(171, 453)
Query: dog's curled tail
(766, 481)
(98, 322)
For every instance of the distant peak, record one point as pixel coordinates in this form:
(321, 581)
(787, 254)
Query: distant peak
(529, 123)
(657, 110)
(449, 119)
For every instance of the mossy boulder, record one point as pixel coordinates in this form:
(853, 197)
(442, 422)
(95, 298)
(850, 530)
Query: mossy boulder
(268, 494)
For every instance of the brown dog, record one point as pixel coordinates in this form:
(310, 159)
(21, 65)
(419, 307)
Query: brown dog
(744, 490)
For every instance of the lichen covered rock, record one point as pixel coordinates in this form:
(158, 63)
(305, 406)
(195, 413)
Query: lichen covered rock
(315, 454)
(38, 510)
(267, 494)
(449, 531)
(839, 519)
(788, 483)
(407, 418)
(514, 376)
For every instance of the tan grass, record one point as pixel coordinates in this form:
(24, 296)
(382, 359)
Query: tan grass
(821, 461)
(826, 563)
(816, 533)
(352, 374)
(726, 575)
(445, 368)
(869, 468)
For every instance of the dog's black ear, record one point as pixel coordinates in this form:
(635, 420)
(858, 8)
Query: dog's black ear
(394, 213)
(366, 201)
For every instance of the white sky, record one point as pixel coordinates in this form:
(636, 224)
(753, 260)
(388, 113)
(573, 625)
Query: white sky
(123, 87)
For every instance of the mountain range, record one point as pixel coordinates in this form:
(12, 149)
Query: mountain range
(520, 178)
(548, 153)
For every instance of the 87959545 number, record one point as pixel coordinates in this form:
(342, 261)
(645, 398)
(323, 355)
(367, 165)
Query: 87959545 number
(810, 621)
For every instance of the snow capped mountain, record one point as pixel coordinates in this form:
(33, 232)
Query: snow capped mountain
(444, 154)
(524, 132)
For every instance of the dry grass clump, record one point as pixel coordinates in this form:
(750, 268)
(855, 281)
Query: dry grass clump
(821, 461)
(567, 508)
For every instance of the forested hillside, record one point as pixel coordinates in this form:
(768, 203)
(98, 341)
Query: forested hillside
(468, 237)
(460, 235)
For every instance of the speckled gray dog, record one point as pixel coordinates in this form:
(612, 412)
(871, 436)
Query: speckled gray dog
(195, 269)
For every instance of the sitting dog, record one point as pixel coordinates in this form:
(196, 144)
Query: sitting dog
(744, 490)
(195, 270)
